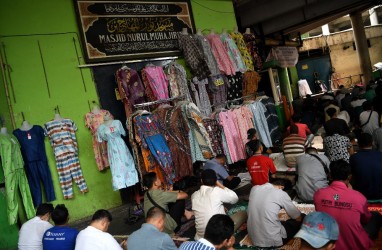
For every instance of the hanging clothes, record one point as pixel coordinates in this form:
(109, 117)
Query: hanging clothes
(15, 178)
(155, 78)
(218, 89)
(63, 140)
(251, 81)
(244, 121)
(149, 130)
(177, 77)
(36, 163)
(250, 40)
(205, 46)
(303, 88)
(201, 95)
(194, 56)
(214, 131)
(122, 164)
(130, 88)
(176, 130)
(258, 109)
(221, 54)
(233, 53)
(200, 145)
(239, 40)
(92, 122)
(235, 89)
(272, 119)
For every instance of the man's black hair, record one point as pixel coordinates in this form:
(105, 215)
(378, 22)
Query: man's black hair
(60, 215)
(209, 177)
(254, 145)
(365, 140)
(331, 111)
(44, 208)
(339, 170)
(220, 156)
(287, 184)
(149, 179)
(155, 212)
(296, 118)
(219, 228)
(102, 214)
(293, 129)
(366, 105)
(311, 150)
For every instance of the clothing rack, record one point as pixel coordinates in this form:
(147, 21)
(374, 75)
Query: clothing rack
(145, 104)
(127, 62)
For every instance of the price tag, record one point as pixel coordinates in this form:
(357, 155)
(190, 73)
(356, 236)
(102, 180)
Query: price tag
(149, 120)
(29, 136)
(112, 129)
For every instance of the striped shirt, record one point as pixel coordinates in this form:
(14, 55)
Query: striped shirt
(201, 244)
(293, 146)
(62, 136)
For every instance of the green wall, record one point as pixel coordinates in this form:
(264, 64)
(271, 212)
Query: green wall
(40, 39)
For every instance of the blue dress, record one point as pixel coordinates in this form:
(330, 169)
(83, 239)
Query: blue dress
(121, 161)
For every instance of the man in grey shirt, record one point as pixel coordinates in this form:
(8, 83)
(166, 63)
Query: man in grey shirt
(264, 226)
(311, 174)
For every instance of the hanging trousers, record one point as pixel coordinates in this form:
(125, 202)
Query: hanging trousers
(37, 172)
(69, 169)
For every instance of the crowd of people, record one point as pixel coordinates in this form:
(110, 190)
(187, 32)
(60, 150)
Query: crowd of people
(340, 180)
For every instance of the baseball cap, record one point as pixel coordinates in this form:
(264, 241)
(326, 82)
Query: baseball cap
(318, 229)
(250, 133)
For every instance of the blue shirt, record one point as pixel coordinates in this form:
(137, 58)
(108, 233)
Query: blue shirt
(220, 171)
(32, 143)
(60, 238)
(149, 237)
(201, 244)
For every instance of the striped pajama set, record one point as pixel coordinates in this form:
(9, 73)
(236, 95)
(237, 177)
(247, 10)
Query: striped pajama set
(62, 137)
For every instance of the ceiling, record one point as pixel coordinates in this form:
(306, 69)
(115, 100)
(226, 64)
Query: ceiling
(290, 17)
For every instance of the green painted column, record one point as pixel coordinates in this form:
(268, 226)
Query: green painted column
(285, 84)
(293, 78)
(281, 115)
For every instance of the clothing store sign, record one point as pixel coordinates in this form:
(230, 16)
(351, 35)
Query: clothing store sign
(286, 56)
(125, 30)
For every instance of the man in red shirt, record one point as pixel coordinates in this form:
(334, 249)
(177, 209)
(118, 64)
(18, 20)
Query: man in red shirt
(349, 208)
(303, 129)
(260, 167)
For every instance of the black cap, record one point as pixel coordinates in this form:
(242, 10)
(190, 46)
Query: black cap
(250, 133)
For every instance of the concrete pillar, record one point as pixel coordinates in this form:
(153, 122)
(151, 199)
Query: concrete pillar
(361, 46)
(373, 16)
(325, 30)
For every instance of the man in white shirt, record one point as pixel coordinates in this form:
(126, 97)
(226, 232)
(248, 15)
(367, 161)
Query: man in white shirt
(368, 119)
(95, 236)
(32, 231)
(209, 199)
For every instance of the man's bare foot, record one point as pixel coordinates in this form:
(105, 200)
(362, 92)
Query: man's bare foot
(188, 214)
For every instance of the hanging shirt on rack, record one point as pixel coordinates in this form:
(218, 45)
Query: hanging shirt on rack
(15, 178)
(122, 164)
(221, 55)
(244, 120)
(251, 81)
(157, 81)
(130, 88)
(250, 40)
(239, 40)
(62, 137)
(233, 53)
(177, 77)
(272, 119)
(258, 109)
(201, 96)
(235, 89)
(214, 132)
(205, 46)
(36, 163)
(193, 56)
(93, 121)
(218, 88)
(149, 130)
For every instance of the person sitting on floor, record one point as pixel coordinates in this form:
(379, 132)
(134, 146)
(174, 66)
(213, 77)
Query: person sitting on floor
(251, 136)
(95, 236)
(218, 235)
(218, 165)
(318, 231)
(335, 125)
(209, 199)
(150, 235)
(312, 174)
(348, 207)
(60, 237)
(366, 168)
(260, 167)
(293, 146)
(264, 226)
(368, 119)
(173, 202)
(303, 129)
(32, 231)
(338, 147)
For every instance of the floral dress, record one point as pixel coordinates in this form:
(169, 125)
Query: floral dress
(121, 161)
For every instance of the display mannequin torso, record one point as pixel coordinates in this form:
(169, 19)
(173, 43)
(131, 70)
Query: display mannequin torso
(199, 32)
(108, 120)
(4, 131)
(96, 109)
(25, 126)
(57, 117)
(184, 31)
(247, 31)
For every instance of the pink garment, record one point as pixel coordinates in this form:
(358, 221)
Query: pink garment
(220, 53)
(244, 122)
(158, 81)
(232, 135)
(349, 208)
(236, 118)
